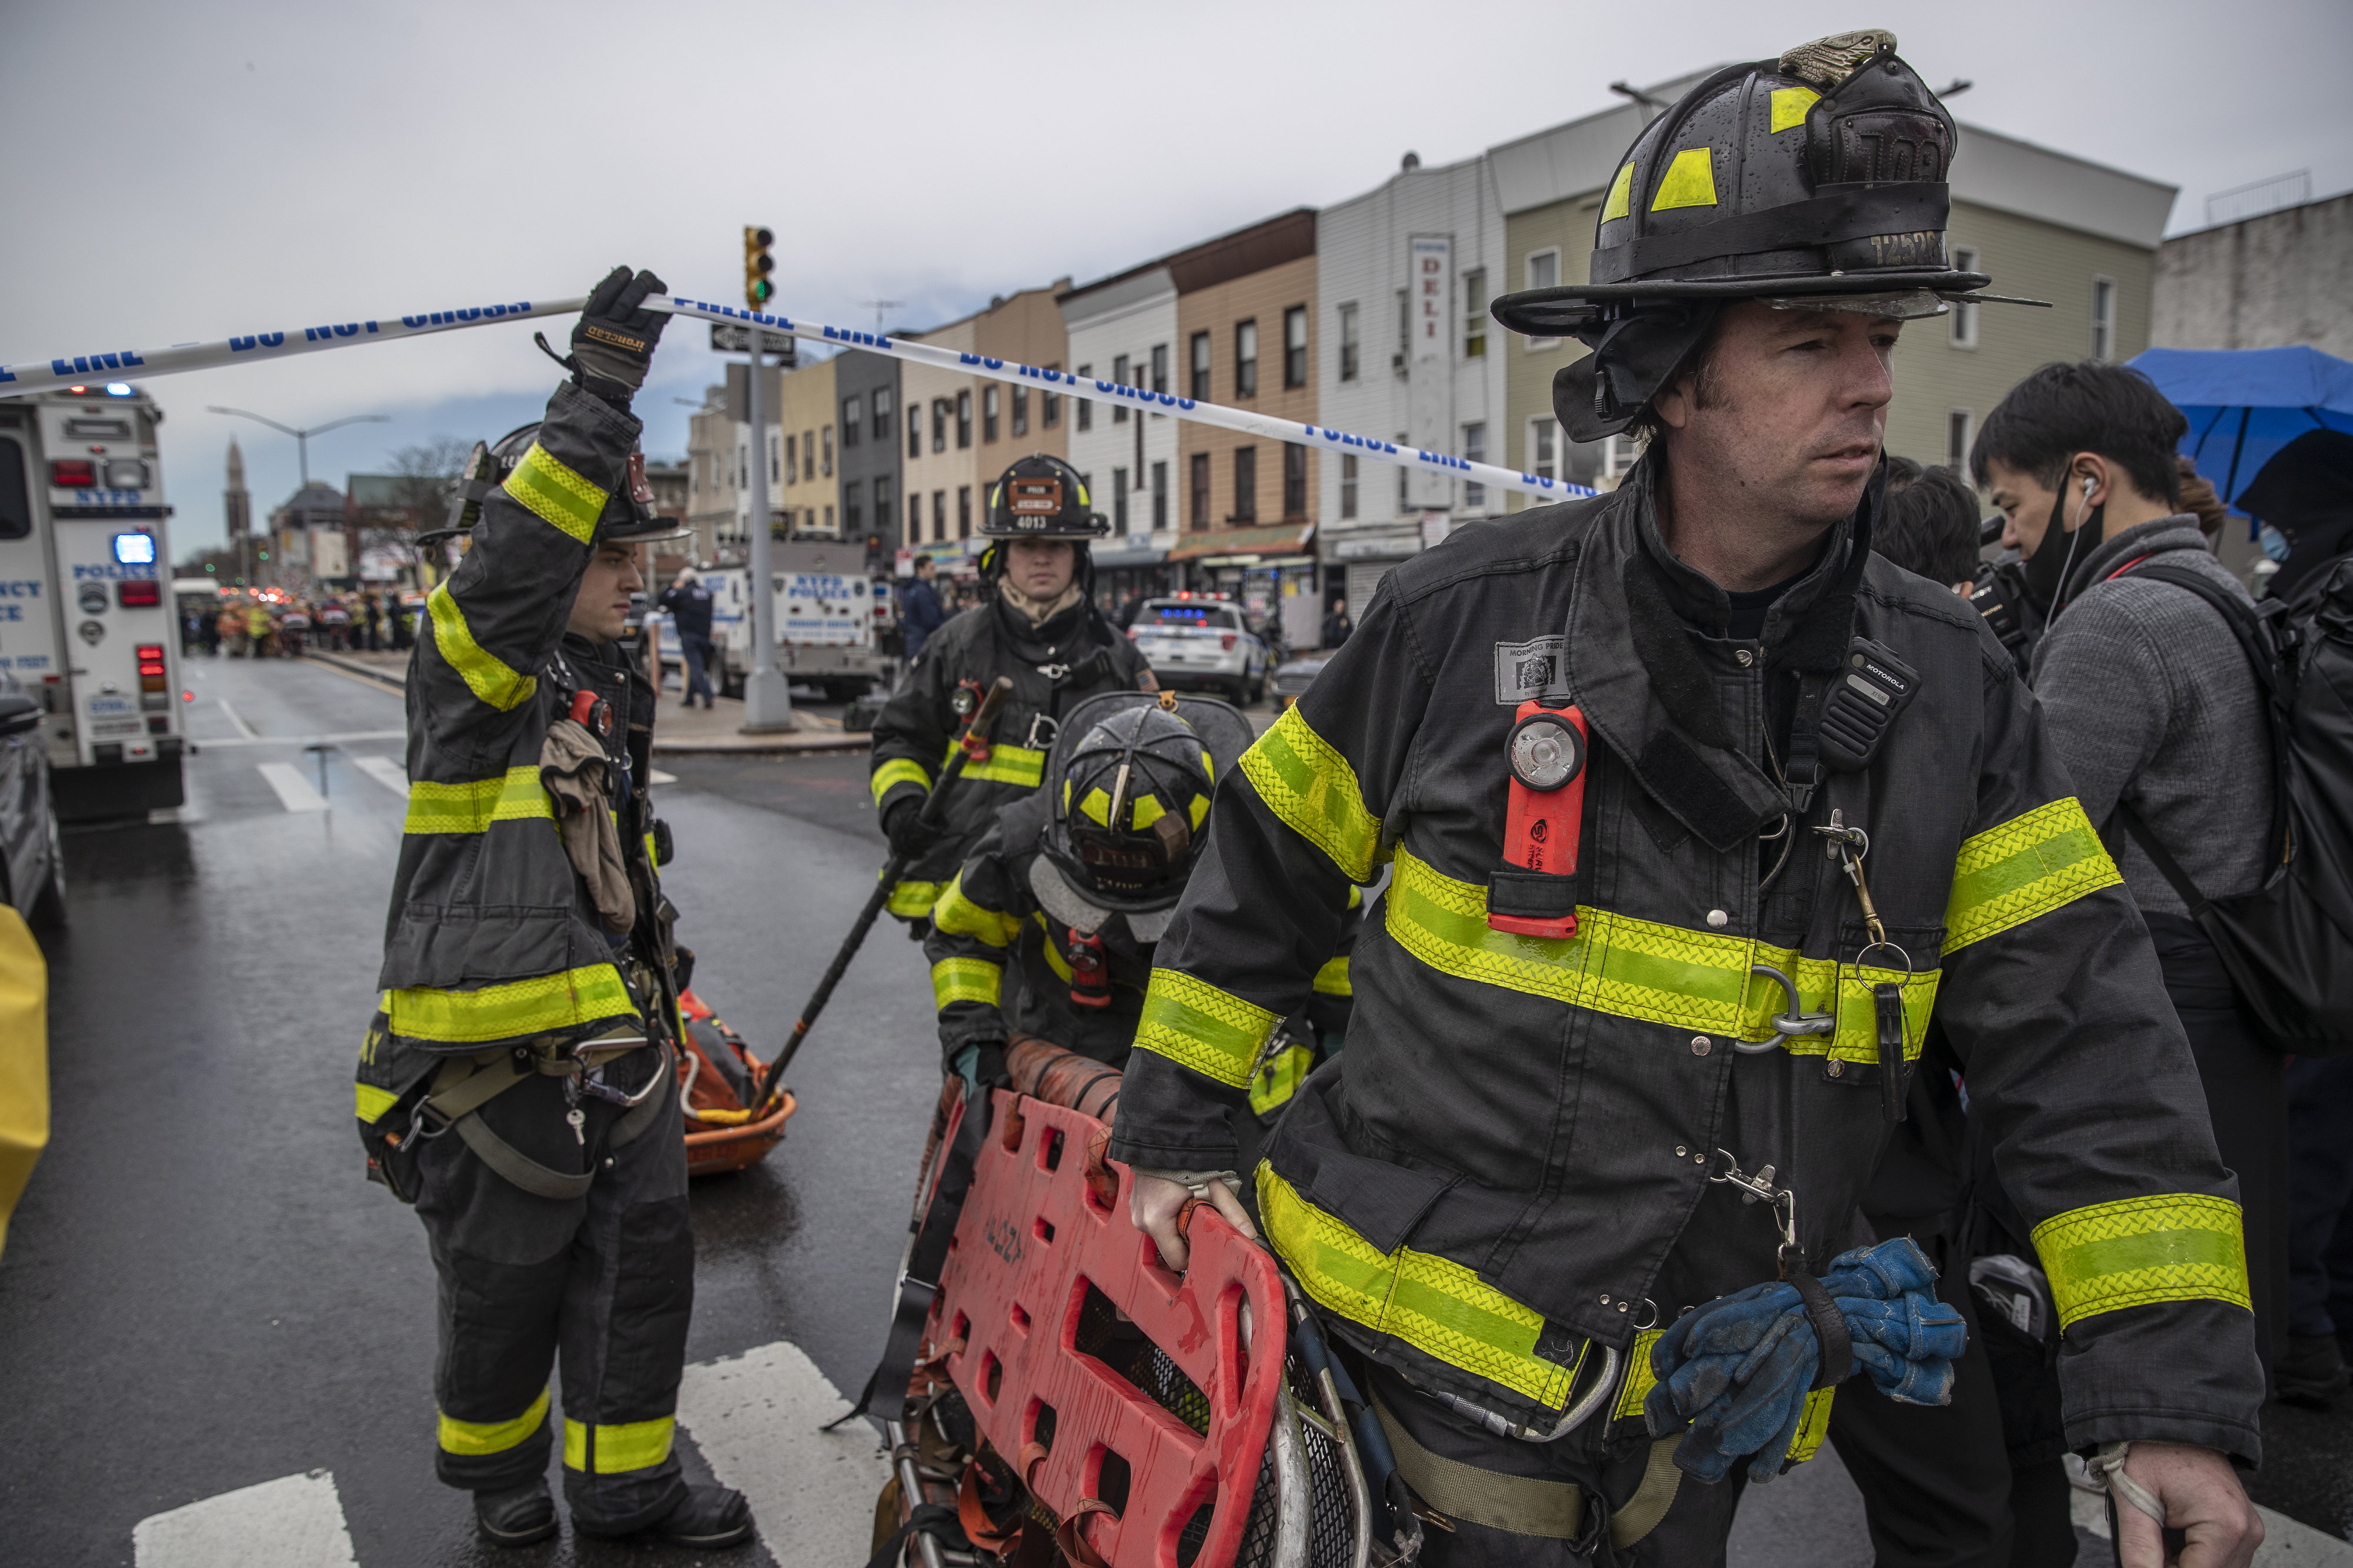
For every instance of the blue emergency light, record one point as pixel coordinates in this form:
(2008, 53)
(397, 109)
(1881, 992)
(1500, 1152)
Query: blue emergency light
(135, 549)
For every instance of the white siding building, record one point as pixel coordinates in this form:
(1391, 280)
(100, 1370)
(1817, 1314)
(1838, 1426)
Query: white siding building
(1124, 329)
(1404, 275)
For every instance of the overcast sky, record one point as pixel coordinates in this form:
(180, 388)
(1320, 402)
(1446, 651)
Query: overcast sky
(181, 172)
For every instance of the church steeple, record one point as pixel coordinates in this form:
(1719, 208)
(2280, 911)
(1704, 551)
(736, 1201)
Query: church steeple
(236, 501)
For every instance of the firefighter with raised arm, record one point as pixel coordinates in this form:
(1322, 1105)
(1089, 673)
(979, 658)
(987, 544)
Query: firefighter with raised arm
(1039, 628)
(1693, 810)
(518, 1084)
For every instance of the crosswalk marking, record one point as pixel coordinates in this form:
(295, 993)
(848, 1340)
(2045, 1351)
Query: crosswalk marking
(230, 713)
(296, 1522)
(654, 775)
(385, 771)
(295, 793)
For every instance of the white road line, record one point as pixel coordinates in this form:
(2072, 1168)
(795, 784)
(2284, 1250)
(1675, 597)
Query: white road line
(385, 771)
(755, 1418)
(243, 728)
(345, 738)
(295, 793)
(293, 1522)
(654, 775)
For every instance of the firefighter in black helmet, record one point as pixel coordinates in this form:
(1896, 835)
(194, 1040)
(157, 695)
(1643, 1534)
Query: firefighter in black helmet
(1039, 626)
(1692, 811)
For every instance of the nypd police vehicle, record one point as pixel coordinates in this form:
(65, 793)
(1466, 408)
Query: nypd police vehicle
(87, 623)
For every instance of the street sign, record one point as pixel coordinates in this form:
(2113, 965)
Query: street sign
(727, 338)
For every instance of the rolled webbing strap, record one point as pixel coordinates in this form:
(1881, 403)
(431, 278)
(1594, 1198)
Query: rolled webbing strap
(1837, 1341)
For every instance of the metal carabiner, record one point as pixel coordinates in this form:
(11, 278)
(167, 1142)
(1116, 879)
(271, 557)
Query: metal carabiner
(1794, 1024)
(1759, 1188)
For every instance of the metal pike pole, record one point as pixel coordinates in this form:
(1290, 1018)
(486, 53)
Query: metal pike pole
(976, 737)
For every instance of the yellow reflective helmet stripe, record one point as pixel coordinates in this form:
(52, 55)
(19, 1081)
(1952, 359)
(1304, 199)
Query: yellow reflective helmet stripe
(967, 979)
(544, 1004)
(373, 1102)
(911, 901)
(1312, 790)
(1789, 107)
(486, 674)
(1200, 810)
(2133, 1252)
(1689, 182)
(1621, 194)
(1438, 1307)
(958, 915)
(557, 494)
(896, 771)
(1095, 805)
(1332, 980)
(1278, 1078)
(630, 1445)
(472, 1439)
(1641, 970)
(471, 807)
(1194, 1025)
(2028, 866)
(1147, 810)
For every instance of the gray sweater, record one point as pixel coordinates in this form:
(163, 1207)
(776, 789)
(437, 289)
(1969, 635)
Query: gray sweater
(2151, 700)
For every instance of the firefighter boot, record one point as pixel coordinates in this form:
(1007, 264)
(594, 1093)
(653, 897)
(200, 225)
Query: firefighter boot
(708, 1518)
(518, 1515)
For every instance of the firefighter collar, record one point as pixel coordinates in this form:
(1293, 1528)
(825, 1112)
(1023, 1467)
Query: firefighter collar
(1072, 908)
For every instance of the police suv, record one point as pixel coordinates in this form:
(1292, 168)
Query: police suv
(86, 621)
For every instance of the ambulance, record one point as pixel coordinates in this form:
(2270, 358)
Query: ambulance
(88, 622)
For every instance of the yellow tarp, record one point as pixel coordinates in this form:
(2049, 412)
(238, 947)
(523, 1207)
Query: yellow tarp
(23, 1060)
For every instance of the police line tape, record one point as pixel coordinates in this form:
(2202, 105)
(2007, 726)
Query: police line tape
(256, 346)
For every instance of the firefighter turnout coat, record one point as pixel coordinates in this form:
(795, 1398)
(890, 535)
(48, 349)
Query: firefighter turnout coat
(1073, 656)
(1511, 1161)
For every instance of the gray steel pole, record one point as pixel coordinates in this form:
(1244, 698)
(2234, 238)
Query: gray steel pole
(767, 697)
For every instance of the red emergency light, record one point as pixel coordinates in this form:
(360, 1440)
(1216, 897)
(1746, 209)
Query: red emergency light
(139, 593)
(151, 667)
(73, 474)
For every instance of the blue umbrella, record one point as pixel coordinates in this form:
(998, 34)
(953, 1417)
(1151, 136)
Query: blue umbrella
(2245, 404)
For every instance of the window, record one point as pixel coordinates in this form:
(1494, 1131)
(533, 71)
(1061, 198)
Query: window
(964, 512)
(1086, 406)
(809, 455)
(1294, 346)
(1618, 454)
(1200, 514)
(1474, 450)
(915, 520)
(1965, 315)
(825, 462)
(1474, 313)
(988, 407)
(1159, 496)
(963, 420)
(1543, 446)
(1200, 393)
(1405, 334)
(1246, 359)
(915, 431)
(1160, 367)
(792, 461)
(882, 413)
(829, 520)
(939, 514)
(883, 513)
(1543, 272)
(940, 410)
(853, 421)
(1405, 478)
(1351, 347)
(1119, 501)
(1119, 377)
(1022, 411)
(1295, 480)
(1049, 404)
(1245, 484)
(1347, 485)
(2104, 318)
(1960, 426)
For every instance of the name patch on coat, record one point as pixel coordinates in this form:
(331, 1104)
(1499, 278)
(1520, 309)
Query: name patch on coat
(1524, 669)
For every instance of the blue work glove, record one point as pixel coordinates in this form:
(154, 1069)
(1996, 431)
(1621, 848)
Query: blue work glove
(1736, 1372)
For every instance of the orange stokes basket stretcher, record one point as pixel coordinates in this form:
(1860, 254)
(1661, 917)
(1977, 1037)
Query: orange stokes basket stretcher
(717, 1076)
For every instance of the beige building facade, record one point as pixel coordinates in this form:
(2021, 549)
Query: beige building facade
(804, 483)
(941, 468)
(1246, 337)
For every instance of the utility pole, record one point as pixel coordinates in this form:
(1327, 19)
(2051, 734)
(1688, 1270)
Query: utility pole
(767, 696)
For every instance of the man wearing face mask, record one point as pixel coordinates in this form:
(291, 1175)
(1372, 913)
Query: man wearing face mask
(2152, 705)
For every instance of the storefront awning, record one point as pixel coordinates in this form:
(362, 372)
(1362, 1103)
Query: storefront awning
(1126, 555)
(1282, 539)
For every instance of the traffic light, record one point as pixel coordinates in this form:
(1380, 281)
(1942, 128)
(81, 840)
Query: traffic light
(757, 264)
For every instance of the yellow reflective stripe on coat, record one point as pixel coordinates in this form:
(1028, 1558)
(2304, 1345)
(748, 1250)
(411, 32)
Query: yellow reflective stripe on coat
(471, 807)
(1312, 790)
(1332, 980)
(1438, 1307)
(486, 674)
(630, 1445)
(967, 979)
(1194, 1025)
(1641, 1377)
(1005, 765)
(477, 1437)
(1278, 1078)
(896, 771)
(370, 1102)
(2133, 1252)
(1641, 970)
(557, 494)
(2028, 866)
(958, 915)
(543, 1004)
(913, 900)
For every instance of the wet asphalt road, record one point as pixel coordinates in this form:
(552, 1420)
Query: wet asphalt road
(201, 1293)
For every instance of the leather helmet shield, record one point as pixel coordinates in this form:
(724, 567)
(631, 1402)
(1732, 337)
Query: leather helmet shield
(1041, 497)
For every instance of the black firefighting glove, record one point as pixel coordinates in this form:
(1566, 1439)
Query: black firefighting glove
(613, 342)
(903, 826)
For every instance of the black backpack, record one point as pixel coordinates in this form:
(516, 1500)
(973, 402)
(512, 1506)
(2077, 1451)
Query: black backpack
(2288, 944)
